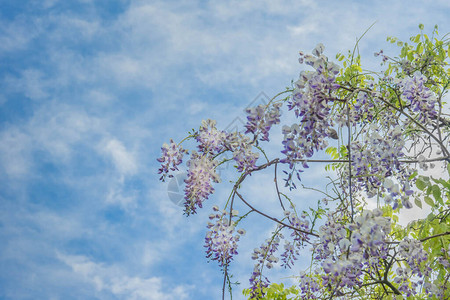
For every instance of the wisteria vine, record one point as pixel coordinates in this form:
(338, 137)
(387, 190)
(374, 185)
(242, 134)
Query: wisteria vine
(381, 131)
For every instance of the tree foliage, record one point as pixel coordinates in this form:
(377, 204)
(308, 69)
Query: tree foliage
(380, 133)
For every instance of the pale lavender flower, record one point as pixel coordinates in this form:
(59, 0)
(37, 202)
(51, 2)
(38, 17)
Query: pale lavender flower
(221, 239)
(198, 183)
(311, 102)
(291, 250)
(419, 97)
(241, 146)
(260, 119)
(172, 157)
(264, 257)
(211, 140)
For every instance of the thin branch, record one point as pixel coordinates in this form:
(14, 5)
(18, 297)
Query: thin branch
(272, 218)
(349, 162)
(434, 236)
(390, 285)
(413, 161)
(424, 239)
(322, 160)
(224, 282)
(276, 185)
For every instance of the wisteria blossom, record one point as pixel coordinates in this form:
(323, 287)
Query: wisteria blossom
(265, 258)
(199, 180)
(242, 150)
(419, 96)
(377, 157)
(222, 237)
(261, 119)
(172, 157)
(210, 140)
(311, 101)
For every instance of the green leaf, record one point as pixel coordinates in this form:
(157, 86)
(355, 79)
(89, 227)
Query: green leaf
(444, 183)
(418, 202)
(421, 26)
(413, 175)
(429, 190)
(419, 48)
(410, 56)
(403, 52)
(429, 201)
(417, 38)
(421, 185)
(437, 193)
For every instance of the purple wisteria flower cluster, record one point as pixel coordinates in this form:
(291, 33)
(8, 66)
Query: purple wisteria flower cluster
(311, 101)
(210, 140)
(299, 237)
(347, 252)
(241, 147)
(172, 157)
(264, 257)
(199, 180)
(413, 253)
(376, 157)
(419, 97)
(222, 237)
(361, 112)
(260, 119)
(202, 165)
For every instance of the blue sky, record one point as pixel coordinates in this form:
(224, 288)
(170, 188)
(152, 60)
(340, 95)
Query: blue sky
(89, 90)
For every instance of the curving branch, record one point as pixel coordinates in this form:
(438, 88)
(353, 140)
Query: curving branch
(274, 219)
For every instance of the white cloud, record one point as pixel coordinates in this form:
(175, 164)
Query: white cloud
(15, 152)
(122, 158)
(100, 97)
(17, 34)
(58, 128)
(117, 194)
(114, 280)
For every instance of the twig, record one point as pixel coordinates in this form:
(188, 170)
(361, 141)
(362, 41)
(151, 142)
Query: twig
(276, 185)
(272, 218)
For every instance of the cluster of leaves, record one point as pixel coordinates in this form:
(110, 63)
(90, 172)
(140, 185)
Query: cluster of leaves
(382, 131)
(277, 292)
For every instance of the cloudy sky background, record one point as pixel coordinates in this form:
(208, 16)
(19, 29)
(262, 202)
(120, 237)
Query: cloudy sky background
(89, 90)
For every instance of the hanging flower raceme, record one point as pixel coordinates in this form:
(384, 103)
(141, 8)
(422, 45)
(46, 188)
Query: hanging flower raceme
(362, 111)
(260, 119)
(222, 237)
(419, 97)
(241, 146)
(172, 157)
(211, 140)
(311, 101)
(291, 250)
(264, 257)
(412, 252)
(309, 286)
(375, 158)
(198, 183)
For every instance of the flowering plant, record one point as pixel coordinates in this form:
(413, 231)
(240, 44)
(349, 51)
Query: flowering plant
(382, 132)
